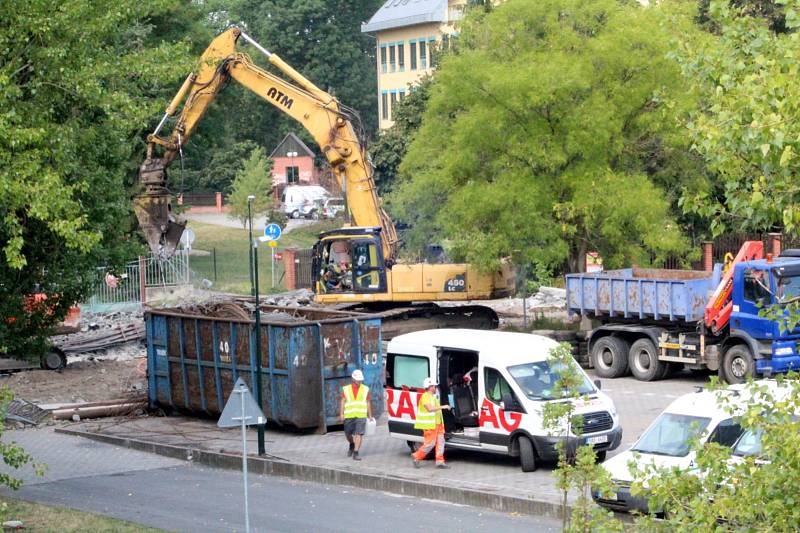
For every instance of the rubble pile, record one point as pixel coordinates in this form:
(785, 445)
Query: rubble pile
(548, 298)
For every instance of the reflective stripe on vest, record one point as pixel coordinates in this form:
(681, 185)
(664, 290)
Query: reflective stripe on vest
(355, 407)
(426, 419)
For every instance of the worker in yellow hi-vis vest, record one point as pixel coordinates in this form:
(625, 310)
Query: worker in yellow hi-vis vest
(429, 420)
(355, 407)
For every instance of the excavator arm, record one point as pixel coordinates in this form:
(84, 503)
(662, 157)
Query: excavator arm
(330, 124)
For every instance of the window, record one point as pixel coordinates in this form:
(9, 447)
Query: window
(412, 52)
(539, 381)
(496, 386)
(726, 433)
(394, 98)
(383, 58)
(401, 56)
(292, 174)
(384, 106)
(402, 95)
(392, 60)
(671, 434)
(756, 286)
(365, 266)
(406, 371)
(423, 61)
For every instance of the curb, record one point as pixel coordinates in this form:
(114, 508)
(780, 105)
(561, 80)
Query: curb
(332, 476)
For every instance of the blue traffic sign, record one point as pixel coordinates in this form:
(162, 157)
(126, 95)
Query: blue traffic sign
(272, 232)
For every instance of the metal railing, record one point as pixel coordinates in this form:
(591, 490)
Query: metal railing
(126, 288)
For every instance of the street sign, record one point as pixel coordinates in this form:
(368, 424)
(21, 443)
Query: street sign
(241, 406)
(187, 238)
(278, 256)
(272, 232)
(272, 244)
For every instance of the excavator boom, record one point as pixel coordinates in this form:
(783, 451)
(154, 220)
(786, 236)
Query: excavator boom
(330, 123)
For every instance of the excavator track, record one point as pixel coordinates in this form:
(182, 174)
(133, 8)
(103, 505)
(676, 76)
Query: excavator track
(398, 320)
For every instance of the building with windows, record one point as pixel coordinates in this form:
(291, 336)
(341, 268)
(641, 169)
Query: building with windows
(405, 32)
(293, 164)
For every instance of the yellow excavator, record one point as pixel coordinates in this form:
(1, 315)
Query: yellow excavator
(353, 265)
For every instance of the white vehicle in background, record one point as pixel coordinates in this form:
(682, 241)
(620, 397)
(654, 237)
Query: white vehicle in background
(497, 384)
(666, 443)
(300, 200)
(332, 207)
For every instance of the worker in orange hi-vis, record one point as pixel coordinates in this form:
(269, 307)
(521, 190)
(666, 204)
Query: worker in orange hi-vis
(429, 420)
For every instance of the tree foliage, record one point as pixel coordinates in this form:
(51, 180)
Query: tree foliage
(543, 135)
(254, 179)
(746, 127)
(392, 144)
(79, 81)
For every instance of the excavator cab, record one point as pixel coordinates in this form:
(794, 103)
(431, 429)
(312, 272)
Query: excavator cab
(349, 260)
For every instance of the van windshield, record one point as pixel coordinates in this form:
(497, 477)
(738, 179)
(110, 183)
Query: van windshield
(749, 443)
(539, 381)
(671, 434)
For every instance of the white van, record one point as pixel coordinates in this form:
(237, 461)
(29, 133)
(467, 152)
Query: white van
(498, 407)
(302, 200)
(666, 443)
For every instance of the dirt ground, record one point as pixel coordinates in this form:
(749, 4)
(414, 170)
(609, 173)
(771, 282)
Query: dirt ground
(81, 381)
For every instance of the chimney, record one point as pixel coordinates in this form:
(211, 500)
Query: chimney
(708, 256)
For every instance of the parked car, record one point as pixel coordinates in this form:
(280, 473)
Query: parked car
(332, 207)
(667, 442)
(299, 200)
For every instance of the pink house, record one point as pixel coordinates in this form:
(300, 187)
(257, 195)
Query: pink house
(293, 164)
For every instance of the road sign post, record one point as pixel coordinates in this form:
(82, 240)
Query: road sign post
(241, 410)
(271, 234)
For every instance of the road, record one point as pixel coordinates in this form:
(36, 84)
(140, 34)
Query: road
(178, 496)
(223, 219)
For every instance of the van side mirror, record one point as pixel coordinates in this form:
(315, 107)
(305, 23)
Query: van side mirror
(598, 384)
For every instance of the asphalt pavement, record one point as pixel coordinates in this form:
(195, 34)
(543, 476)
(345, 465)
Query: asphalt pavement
(178, 496)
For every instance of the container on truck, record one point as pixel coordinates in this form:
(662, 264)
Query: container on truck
(497, 384)
(655, 320)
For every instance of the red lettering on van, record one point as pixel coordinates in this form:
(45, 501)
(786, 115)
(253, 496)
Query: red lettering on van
(405, 405)
(509, 421)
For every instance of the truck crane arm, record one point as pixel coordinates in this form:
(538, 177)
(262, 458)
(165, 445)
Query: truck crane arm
(718, 309)
(330, 123)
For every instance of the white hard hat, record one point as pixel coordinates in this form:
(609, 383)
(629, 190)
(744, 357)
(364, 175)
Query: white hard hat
(429, 382)
(357, 375)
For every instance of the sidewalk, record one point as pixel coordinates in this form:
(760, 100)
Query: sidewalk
(479, 479)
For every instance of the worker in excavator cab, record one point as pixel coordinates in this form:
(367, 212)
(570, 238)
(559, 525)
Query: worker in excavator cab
(338, 274)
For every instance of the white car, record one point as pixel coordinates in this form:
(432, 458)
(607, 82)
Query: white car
(497, 384)
(666, 443)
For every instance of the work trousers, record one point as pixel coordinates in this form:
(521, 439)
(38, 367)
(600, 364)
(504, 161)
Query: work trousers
(433, 437)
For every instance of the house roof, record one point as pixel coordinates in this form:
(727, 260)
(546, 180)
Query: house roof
(400, 13)
(291, 143)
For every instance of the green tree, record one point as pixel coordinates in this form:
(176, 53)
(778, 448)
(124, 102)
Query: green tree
(746, 129)
(79, 83)
(254, 179)
(539, 137)
(392, 144)
(220, 169)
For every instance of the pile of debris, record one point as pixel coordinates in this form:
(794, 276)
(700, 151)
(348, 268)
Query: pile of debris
(548, 298)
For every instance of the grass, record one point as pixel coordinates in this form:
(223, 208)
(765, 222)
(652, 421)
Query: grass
(46, 519)
(231, 246)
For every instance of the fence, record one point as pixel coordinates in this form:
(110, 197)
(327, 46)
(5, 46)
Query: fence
(127, 288)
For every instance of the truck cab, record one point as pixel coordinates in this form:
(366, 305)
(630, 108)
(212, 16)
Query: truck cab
(497, 384)
(756, 285)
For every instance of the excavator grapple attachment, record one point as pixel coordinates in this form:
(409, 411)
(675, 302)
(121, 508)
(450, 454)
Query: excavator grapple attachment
(153, 209)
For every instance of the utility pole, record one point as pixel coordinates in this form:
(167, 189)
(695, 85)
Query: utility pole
(254, 280)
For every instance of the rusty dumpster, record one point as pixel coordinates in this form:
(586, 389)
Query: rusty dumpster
(307, 355)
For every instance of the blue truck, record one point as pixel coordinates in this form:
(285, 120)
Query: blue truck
(652, 321)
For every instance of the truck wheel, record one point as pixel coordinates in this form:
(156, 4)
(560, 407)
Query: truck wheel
(737, 364)
(610, 357)
(643, 361)
(527, 455)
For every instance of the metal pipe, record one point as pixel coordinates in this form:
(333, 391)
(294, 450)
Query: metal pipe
(161, 124)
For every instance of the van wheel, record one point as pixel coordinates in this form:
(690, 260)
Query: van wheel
(737, 364)
(527, 455)
(600, 456)
(610, 357)
(295, 214)
(643, 361)
(314, 215)
(413, 445)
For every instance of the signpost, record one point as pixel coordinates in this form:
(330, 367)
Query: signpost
(241, 410)
(271, 234)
